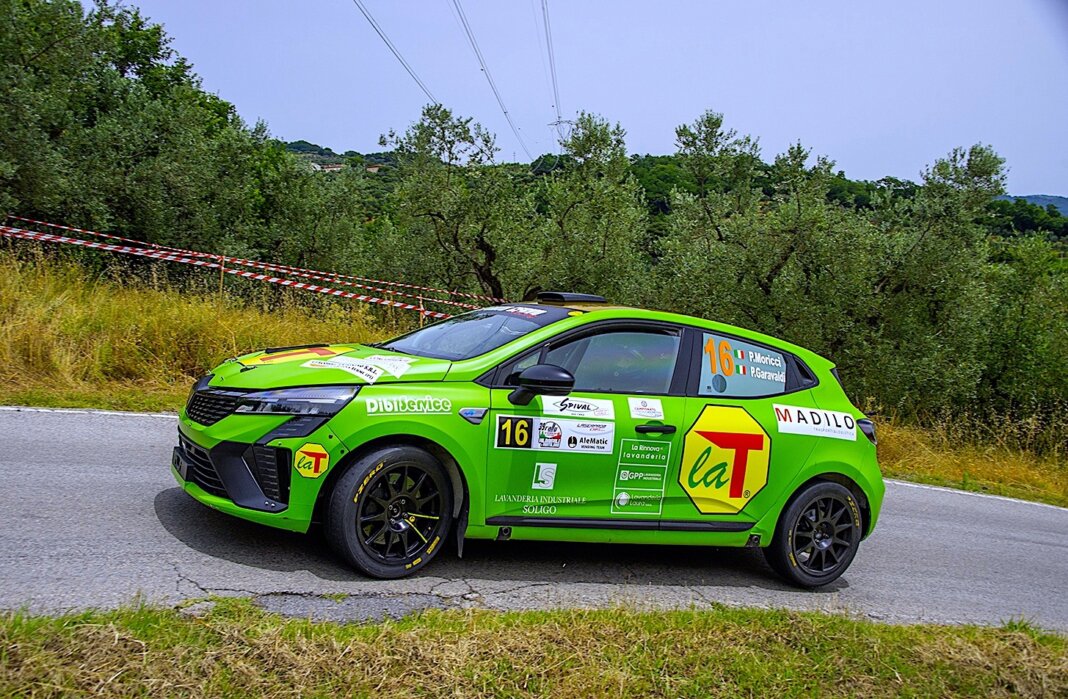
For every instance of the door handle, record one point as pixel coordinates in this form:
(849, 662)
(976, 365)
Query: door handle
(650, 428)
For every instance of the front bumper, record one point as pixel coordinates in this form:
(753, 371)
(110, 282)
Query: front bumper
(243, 465)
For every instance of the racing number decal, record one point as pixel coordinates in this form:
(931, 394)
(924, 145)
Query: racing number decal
(514, 432)
(724, 460)
(720, 356)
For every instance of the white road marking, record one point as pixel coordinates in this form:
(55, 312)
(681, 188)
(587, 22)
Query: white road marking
(84, 411)
(955, 491)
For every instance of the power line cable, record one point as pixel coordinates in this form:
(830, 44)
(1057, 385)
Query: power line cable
(394, 50)
(489, 76)
(552, 59)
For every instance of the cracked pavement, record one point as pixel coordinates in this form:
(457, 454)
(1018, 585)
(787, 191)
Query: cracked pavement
(90, 517)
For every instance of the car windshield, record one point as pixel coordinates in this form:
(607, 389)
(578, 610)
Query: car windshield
(475, 333)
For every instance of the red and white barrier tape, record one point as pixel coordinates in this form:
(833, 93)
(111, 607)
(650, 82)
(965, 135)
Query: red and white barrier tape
(170, 256)
(287, 269)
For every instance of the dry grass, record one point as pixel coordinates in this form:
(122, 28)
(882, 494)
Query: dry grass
(238, 651)
(939, 457)
(70, 338)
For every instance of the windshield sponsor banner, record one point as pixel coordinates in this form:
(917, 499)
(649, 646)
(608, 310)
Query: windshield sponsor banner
(368, 369)
(579, 407)
(519, 310)
(555, 434)
(408, 405)
(794, 419)
(641, 476)
(732, 367)
(646, 408)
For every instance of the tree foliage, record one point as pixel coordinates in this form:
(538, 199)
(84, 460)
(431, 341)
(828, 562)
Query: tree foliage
(932, 295)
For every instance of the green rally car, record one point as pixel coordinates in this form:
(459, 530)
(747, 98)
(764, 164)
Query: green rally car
(564, 420)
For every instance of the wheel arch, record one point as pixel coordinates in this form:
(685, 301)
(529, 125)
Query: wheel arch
(457, 478)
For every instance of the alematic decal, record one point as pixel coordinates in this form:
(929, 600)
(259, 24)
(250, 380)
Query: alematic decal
(556, 434)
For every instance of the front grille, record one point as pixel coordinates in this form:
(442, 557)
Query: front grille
(208, 407)
(270, 468)
(201, 470)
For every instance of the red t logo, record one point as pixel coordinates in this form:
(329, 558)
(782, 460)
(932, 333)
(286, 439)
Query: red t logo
(742, 444)
(316, 457)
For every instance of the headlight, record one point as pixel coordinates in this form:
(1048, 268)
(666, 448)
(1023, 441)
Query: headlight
(314, 400)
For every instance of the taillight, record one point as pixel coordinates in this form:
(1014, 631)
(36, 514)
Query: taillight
(868, 428)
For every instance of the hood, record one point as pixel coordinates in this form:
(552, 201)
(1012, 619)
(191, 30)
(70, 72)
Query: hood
(326, 364)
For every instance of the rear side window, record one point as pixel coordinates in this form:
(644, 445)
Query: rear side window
(734, 368)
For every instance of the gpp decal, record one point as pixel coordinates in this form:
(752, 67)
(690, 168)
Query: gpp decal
(311, 460)
(725, 460)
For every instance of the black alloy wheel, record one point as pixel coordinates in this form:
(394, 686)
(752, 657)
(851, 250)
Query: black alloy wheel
(823, 535)
(399, 512)
(390, 512)
(817, 535)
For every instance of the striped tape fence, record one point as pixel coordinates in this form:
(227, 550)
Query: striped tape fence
(333, 277)
(204, 262)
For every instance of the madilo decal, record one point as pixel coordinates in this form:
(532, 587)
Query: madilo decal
(725, 460)
(794, 419)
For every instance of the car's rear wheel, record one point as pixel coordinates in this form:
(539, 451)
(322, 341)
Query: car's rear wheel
(817, 535)
(389, 513)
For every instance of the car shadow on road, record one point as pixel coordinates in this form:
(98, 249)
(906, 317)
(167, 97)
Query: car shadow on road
(228, 538)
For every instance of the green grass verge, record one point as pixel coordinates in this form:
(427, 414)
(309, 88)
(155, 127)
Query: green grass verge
(237, 650)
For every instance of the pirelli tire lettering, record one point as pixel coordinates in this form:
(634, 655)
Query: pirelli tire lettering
(725, 459)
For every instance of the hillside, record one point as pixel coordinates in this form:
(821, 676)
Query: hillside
(1043, 200)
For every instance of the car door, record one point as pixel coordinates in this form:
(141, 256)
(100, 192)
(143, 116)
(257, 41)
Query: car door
(727, 471)
(601, 453)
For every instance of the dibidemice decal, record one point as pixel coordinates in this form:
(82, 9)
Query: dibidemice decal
(794, 419)
(641, 476)
(598, 408)
(555, 434)
(646, 408)
(732, 367)
(408, 405)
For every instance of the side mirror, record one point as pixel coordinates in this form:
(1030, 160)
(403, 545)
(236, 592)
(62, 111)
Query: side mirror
(542, 380)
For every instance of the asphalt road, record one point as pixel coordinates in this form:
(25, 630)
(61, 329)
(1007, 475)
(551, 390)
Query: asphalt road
(91, 517)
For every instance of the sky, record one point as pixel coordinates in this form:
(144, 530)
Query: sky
(882, 88)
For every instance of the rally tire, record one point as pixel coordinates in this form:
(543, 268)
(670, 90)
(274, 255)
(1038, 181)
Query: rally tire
(817, 535)
(390, 512)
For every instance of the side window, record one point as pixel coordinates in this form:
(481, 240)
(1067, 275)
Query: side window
(512, 372)
(625, 361)
(733, 368)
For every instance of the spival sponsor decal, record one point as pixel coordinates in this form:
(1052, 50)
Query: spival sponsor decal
(579, 407)
(408, 405)
(814, 422)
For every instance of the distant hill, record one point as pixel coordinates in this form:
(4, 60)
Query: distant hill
(1042, 200)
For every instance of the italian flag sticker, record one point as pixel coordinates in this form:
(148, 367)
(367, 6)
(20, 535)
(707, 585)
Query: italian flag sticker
(740, 354)
(742, 370)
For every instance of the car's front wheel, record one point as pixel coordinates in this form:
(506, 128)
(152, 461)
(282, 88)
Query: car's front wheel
(389, 513)
(817, 535)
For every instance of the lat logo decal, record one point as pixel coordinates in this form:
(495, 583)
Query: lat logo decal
(724, 460)
(312, 460)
